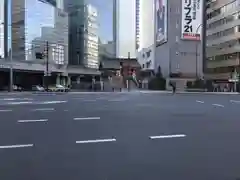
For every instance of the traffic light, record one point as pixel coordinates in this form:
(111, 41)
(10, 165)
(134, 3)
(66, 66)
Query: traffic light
(39, 55)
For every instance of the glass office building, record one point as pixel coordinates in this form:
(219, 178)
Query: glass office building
(35, 24)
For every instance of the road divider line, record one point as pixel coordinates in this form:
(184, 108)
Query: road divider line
(96, 141)
(44, 109)
(86, 118)
(218, 105)
(117, 100)
(200, 101)
(234, 101)
(5, 110)
(16, 146)
(52, 102)
(37, 120)
(89, 100)
(19, 103)
(168, 136)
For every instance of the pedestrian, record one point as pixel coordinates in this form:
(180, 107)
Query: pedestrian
(173, 85)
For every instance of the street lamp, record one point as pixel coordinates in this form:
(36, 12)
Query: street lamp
(11, 65)
(200, 25)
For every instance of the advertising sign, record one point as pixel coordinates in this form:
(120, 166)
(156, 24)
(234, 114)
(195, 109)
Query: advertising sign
(191, 19)
(161, 21)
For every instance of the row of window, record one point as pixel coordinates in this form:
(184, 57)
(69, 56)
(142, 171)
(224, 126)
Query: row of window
(228, 69)
(220, 34)
(224, 57)
(223, 21)
(226, 8)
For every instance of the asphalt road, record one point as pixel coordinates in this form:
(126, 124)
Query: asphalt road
(120, 136)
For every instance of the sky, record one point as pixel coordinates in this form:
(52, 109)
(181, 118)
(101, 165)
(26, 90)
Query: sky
(105, 9)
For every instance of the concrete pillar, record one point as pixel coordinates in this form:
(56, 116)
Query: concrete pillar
(58, 79)
(78, 79)
(63, 79)
(69, 82)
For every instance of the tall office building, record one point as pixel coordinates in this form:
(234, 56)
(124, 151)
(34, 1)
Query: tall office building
(29, 35)
(223, 39)
(75, 9)
(133, 26)
(125, 28)
(2, 24)
(146, 23)
(91, 37)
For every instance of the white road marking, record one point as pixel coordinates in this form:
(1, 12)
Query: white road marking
(200, 101)
(218, 105)
(90, 100)
(96, 141)
(37, 120)
(167, 136)
(52, 102)
(5, 110)
(14, 99)
(44, 109)
(117, 100)
(234, 101)
(86, 118)
(16, 146)
(21, 102)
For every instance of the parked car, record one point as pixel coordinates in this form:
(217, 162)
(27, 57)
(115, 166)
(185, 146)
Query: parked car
(38, 88)
(58, 88)
(17, 88)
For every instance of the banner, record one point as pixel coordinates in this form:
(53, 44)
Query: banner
(161, 21)
(191, 19)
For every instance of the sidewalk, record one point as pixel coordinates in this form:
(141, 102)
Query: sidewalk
(185, 92)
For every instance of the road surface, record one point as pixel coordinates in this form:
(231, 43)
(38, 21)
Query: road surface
(120, 136)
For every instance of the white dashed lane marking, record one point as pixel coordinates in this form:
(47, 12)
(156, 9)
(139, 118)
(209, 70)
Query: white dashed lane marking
(235, 101)
(5, 110)
(16, 146)
(85, 118)
(218, 105)
(29, 121)
(167, 136)
(44, 109)
(96, 141)
(199, 101)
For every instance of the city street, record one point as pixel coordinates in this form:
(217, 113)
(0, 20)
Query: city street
(120, 136)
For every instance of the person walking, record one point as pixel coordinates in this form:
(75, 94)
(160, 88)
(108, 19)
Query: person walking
(173, 85)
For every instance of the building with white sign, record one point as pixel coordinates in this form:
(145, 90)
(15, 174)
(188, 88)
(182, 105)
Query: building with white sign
(178, 51)
(223, 39)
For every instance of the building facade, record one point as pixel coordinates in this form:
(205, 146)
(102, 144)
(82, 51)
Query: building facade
(91, 37)
(178, 51)
(125, 28)
(223, 39)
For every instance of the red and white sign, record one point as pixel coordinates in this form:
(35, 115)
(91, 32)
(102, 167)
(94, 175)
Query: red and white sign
(191, 19)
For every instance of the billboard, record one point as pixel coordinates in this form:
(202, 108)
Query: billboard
(191, 19)
(161, 21)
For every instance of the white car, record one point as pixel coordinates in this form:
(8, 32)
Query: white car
(61, 88)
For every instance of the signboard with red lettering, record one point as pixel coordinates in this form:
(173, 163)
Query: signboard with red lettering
(191, 19)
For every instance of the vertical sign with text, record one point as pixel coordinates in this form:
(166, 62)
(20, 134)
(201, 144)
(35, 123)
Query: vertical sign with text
(191, 19)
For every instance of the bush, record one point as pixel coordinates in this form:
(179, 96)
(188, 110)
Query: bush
(199, 83)
(189, 84)
(157, 83)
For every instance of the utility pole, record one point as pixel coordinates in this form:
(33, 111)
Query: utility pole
(11, 72)
(47, 66)
(128, 77)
